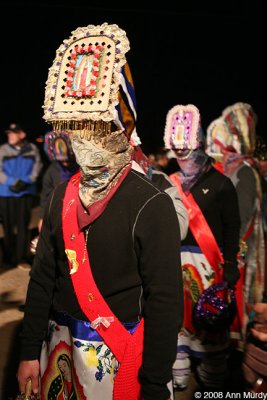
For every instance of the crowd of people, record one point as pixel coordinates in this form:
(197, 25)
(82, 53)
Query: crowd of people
(147, 269)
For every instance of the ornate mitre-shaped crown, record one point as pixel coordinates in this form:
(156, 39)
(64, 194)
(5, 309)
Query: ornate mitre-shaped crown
(84, 80)
(182, 128)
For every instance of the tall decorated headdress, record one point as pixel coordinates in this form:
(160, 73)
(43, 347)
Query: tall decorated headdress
(89, 85)
(241, 123)
(57, 146)
(218, 138)
(183, 129)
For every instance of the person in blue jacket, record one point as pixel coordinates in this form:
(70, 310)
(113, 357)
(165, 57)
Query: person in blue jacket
(20, 166)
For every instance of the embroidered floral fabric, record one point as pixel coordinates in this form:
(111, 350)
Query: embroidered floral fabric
(75, 360)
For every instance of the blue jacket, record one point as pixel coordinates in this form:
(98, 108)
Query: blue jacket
(19, 163)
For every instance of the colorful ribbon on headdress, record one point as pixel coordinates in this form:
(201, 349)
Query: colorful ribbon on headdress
(241, 122)
(126, 108)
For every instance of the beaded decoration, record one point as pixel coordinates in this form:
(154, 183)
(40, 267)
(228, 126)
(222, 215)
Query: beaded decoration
(83, 82)
(182, 128)
(215, 308)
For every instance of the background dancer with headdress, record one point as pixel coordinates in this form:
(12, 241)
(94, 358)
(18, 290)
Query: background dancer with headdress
(57, 147)
(208, 252)
(231, 141)
(107, 267)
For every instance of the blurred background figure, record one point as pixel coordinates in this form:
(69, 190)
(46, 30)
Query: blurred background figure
(255, 357)
(62, 166)
(161, 159)
(58, 150)
(20, 166)
(260, 155)
(208, 253)
(152, 160)
(231, 142)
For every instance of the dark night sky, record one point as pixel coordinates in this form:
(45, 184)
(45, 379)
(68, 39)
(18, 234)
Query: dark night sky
(208, 55)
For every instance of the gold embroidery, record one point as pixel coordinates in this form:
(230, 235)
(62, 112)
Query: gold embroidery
(71, 254)
(90, 297)
(85, 245)
(243, 248)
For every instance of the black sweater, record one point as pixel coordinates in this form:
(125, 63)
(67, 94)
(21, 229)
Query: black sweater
(217, 198)
(134, 251)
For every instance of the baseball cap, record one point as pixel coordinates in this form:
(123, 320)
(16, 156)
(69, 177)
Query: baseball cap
(15, 128)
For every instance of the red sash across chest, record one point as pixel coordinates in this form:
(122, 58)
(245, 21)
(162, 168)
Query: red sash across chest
(127, 348)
